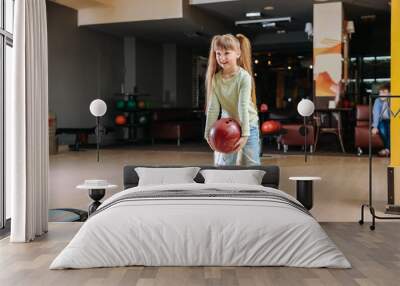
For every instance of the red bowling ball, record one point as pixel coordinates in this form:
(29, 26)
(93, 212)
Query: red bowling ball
(263, 107)
(270, 127)
(224, 135)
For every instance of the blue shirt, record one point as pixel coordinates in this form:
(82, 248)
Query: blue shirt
(380, 111)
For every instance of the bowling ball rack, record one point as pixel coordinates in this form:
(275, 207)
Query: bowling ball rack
(135, 129)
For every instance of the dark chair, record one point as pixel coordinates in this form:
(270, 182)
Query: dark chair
(362, 129)
(291, 123)
(295, 136)
(322, 127)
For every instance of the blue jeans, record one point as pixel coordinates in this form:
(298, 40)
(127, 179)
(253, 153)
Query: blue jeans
(248, 156)
(384, 132)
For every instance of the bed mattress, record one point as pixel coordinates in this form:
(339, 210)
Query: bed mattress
(201, 225)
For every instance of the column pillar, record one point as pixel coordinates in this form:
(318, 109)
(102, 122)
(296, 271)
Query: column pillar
(395, 103)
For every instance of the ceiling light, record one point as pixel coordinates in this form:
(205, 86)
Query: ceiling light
(256, 61)
(289, 67)
(264, 20)
(269, 8)
(269, 62)
(300, 57)
(269, 25)
(281, 32)
(255, 74)
(311, 67)
(253, 14)
(368, 18)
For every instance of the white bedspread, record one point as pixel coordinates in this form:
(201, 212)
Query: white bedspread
(200, 231)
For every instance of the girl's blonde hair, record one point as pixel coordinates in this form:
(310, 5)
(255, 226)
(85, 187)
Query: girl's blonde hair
(238, 43)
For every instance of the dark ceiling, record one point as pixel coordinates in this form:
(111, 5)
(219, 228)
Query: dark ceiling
(188, 32)
(300, 10)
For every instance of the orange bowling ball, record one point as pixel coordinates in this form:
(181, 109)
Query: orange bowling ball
(224, 135)
(120, 120)
(270, 127)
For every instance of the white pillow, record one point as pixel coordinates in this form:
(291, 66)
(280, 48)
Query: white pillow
(248, 177)
(163, 176)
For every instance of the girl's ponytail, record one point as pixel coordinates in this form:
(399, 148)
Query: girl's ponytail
(246, 63)
(212, 68)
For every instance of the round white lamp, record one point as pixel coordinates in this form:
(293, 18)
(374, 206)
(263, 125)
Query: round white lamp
(98, 108)
(305, 108)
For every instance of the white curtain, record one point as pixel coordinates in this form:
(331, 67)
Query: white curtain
(27, 124)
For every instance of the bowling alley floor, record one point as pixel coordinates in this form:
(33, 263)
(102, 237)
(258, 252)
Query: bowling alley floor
(337, 197)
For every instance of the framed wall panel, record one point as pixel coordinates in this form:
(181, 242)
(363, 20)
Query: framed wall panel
(327, 49)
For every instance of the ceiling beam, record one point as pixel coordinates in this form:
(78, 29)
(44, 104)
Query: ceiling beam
(82, 4)
(197, 2)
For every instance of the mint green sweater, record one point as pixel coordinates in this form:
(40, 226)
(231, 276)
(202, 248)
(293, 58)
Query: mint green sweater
(233, 95)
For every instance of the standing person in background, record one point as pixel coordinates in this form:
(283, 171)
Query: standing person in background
(381, 118)
(230, 87)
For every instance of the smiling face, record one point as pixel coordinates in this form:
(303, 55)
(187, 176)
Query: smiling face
(227, 59)
(384, 92)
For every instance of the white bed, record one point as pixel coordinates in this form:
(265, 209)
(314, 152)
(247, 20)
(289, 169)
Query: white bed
(185, 230)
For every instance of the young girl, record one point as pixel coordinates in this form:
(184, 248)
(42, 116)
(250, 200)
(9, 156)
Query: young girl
(230, 87)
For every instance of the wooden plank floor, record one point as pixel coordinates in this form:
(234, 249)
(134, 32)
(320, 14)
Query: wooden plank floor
(374, 255)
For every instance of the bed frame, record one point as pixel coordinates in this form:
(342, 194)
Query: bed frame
(270, 179)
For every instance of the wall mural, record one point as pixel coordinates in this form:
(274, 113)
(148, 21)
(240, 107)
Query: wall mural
(328, 64)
